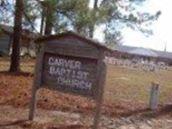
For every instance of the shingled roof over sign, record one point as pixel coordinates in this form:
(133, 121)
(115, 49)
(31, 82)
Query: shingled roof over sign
(77, 36)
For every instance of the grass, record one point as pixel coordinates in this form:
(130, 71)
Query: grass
(133, 84)
(27, 65)
(121, 83)
(59, 119)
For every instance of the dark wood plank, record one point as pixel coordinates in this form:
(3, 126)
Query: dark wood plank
(71, 65)
(70, 74)
(36, 83)
(101, 75)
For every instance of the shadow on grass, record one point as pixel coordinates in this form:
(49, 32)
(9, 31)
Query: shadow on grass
(148, 113)
(30, 124)
(162, 111)
(69, 127)
(21, 73)
(135, 112)
(13, 123)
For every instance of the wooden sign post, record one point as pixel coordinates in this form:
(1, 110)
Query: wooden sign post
(154, 94)
(72, 64)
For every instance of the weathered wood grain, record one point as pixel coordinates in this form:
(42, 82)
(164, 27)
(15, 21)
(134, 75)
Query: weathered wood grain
(71, 64)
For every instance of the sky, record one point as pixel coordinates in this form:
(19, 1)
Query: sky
(162, 32)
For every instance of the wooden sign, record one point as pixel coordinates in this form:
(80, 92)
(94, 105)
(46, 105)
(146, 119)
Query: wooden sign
(72, 64)
(70, 74)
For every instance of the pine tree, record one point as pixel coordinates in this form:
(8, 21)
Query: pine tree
(15, 57)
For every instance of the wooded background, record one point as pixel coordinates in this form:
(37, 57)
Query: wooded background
(62, 15)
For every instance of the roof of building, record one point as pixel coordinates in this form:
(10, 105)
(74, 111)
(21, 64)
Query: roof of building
(164, 54)
(25, 32)
(143, 51)
(123, 48)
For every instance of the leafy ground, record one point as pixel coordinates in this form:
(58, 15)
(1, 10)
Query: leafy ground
(126, 94)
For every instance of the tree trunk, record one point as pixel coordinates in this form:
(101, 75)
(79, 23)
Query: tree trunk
(48, 27)
(91, 27)
(49, 19)
(15, 57)
(95, 4)
(42, 23)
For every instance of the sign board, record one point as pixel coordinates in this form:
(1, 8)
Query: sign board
(70, 74)
(72, 64)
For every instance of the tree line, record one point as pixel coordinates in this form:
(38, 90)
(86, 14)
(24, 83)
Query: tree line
(76, 15)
